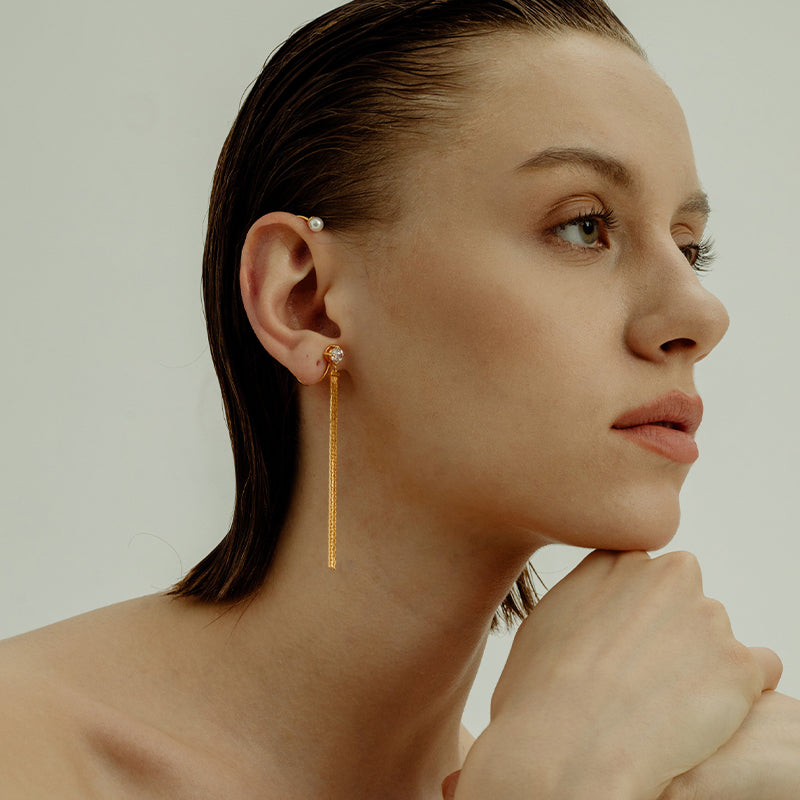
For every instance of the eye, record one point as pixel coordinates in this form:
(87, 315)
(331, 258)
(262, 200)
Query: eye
(585, 231)
(589, 231)
(699, 254)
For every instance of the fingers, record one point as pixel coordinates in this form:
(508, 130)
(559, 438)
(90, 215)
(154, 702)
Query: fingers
(770, 665)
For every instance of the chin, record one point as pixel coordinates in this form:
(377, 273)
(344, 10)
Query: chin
(652, 539)
(650, 525)
(635, 522)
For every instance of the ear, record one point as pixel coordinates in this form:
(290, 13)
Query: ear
(283, 289)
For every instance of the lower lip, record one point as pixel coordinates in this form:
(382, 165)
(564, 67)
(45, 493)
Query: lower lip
(668, 442)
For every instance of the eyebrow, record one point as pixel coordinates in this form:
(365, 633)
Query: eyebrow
(696, 204)
(609, 167)
(606, 165)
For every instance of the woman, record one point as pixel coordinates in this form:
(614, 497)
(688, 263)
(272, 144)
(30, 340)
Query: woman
(509, 272)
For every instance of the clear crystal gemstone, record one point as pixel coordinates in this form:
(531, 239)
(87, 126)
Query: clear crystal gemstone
(336, 354)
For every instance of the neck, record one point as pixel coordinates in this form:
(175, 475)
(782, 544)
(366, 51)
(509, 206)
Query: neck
(355, 680)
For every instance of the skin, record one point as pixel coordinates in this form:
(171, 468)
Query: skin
(351, 684)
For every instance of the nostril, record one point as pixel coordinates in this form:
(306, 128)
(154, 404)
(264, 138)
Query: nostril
(678, 344)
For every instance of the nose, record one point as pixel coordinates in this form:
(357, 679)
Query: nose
(672, 314)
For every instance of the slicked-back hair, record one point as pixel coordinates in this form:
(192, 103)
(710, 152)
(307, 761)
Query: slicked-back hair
(324, 131)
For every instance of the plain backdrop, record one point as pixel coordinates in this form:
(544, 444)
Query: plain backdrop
(115, 472)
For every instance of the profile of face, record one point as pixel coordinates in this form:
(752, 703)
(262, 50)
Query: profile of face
(540, 283)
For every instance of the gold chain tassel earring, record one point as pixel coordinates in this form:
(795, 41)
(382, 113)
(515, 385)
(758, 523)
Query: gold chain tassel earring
(333, 354)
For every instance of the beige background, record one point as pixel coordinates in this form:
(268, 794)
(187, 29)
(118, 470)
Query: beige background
(115, 473)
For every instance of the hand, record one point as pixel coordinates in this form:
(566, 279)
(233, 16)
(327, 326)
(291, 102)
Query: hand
(760, 762)
(623, 677)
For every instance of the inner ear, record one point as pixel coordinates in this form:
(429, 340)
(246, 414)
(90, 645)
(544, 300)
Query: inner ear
(307, 310)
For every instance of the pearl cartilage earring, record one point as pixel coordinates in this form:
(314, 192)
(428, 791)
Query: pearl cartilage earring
(333, 355)
(316, 224)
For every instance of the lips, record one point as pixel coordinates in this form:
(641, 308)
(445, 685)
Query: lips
(665, 426)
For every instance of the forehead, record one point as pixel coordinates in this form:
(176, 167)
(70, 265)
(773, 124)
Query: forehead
(530, 93)
(550, 67)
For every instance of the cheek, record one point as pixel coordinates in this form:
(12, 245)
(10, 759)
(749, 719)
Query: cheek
(493, 362)
(514, 341)
(496, 400)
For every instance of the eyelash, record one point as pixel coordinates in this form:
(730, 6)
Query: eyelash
(702, 252)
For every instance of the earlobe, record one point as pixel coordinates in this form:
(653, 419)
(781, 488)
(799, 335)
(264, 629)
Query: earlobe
(283, 284)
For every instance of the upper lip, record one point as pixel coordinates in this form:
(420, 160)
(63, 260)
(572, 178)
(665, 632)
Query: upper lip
(674, 409)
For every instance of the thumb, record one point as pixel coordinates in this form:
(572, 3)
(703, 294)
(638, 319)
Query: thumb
(449, 786)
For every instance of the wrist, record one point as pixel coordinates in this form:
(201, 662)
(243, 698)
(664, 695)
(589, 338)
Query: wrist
(516, 765)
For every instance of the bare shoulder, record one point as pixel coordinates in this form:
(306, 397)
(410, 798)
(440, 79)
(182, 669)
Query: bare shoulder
(89, 709)
(61, 733)
(33, 722)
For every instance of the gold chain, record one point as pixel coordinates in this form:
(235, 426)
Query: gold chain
(334, 378)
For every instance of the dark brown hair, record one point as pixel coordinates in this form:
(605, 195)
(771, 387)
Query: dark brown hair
(324, 131)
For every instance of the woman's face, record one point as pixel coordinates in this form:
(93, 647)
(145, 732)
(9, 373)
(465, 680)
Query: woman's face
(539, 287)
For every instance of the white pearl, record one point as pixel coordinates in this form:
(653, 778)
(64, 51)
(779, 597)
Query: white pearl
(316, 224)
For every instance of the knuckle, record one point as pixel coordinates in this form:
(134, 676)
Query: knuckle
(682, 562)
(742, 660)
(680, 569)
(740, 656)
(716, 624)
(745, 665)
(717, 614)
